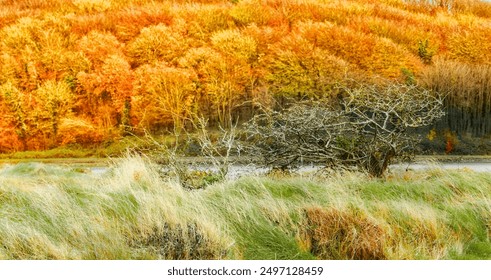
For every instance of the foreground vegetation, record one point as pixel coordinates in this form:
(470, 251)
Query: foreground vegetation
(134, 212)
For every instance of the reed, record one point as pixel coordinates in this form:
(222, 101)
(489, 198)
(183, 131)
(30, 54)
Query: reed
(468, 101)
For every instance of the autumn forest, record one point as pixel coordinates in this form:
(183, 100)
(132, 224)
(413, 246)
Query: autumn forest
(88, 71)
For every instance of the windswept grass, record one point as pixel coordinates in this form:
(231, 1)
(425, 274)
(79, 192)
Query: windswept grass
(132, 212)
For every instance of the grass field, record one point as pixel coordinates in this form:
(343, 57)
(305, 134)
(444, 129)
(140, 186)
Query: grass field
(132, 212)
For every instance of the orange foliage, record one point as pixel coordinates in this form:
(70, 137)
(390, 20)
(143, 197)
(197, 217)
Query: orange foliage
(78, 131)
(9, 141)
(102, 94)
(376, 55)
(97, 46)
(157, 42)
(472, 46)
(153, 63)
(125, 24)
(202, 20)
(130, 22)
(266, 36)
(33, 5)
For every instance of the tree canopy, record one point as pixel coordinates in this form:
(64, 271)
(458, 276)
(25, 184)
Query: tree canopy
(103, 68)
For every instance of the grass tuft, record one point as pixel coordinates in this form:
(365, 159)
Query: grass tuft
(343, 234)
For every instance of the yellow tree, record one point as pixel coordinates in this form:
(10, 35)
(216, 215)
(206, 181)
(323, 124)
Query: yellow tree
(19, 50)
(53, 101)
(97, 46)
(164, 95)
(225, 71)
(471, 45)
(43, 49)
(156, 43)
(222, 82)
(297, 69)
(16, 108)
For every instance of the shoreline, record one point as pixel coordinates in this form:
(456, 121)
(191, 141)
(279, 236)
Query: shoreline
(94, 161)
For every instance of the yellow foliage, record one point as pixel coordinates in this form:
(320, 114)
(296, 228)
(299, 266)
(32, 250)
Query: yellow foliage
(252, 11)
(97, 46)
(163, 95)
(92, 5)
(389, 58)
(54, 98)
(472, 46)
(156, 43)
(9, 69)
(235, 44)
(77, 130)
(298, 69)
(432, 134)
(222, 80)
(409, 36)
(202, 20)
(19, 37)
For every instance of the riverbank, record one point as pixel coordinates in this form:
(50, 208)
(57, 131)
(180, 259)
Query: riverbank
(105, 161)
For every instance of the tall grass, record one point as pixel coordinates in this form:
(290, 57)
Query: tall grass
(132, 212)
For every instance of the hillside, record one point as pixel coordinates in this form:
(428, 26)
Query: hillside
(89, 71)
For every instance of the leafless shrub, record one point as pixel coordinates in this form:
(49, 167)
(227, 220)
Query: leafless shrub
(218, 152)
(367, 128)
(170, 157)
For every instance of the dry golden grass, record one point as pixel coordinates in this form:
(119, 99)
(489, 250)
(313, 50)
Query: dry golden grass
(343, 234)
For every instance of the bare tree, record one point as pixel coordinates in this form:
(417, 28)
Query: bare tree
(220, 151)
(367, 128)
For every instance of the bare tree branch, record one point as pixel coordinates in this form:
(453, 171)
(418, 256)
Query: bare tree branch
(367, 128)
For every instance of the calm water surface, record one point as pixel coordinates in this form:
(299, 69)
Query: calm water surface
(238, 170)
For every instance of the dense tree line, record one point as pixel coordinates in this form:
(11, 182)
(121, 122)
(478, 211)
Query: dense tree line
(88, 71)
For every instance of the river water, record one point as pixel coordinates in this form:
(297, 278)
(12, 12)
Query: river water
(238, 170)
(484, 166)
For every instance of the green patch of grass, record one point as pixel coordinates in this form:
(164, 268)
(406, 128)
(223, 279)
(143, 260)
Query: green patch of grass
(469, 220)
(61, 152)
(113, 148)
(478, 250)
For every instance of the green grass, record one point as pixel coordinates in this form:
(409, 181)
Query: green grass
(112, 148)
(132, 212)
